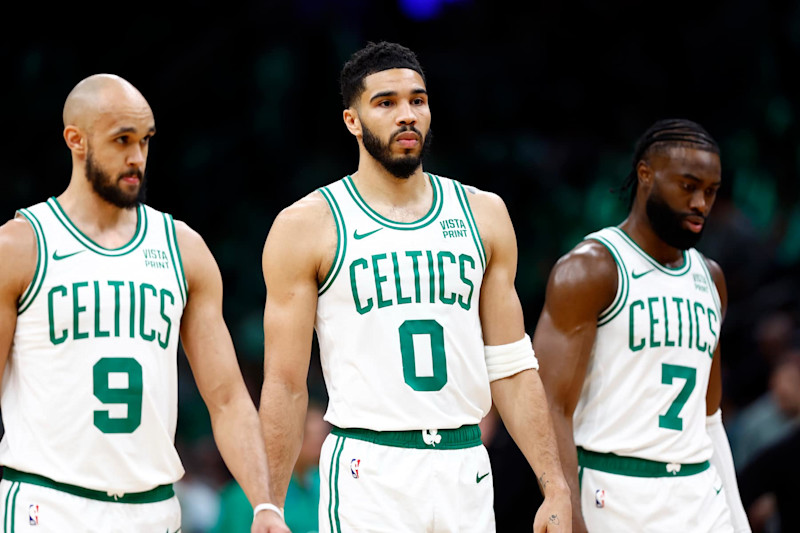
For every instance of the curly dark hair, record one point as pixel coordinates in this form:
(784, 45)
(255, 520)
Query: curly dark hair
(374, 57)
(660, 136)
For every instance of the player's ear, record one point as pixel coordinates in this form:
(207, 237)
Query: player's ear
(75, 139)
(645, 174)
(351, 120)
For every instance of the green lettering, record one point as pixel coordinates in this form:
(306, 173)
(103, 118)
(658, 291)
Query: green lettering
(116, 285)
(442, 297)
(680, 319)
(415, 263)
(653, 321)
(133, 309)
(365, 308)
(151, 335)
(634, 347)
(378, 280)
(667, 342)
(431, 279)
(397, 285)
(51, 315)
(97, 331)
(77, 309)
(698, 305)
(463, 259)
(712, 345)
(165, 341)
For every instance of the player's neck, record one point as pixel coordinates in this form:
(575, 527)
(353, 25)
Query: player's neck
(392, 196)
(638, 228)
(106, 224)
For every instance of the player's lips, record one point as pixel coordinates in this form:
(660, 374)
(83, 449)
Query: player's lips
(695, 223)
(407, 139)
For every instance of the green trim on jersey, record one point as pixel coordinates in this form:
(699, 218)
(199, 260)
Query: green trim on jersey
(430, 216)
(158, 494)
(635, 467)
(711, 283)
(461, 194)
(621, 298)
(333, 487)
(451, 439)
(41, 263)
(8, 518)
(174, 251)
(678, 271)
(136, 240)
(341, 241)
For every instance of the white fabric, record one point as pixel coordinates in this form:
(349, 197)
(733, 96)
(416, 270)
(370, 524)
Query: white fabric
(644, 394)
(508, 359)
(691, 504)
(722, 459)
(388, 489)
(90, 391)
(37, 509)
(400, 338)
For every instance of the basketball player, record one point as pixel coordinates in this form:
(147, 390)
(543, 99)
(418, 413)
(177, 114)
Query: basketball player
(96, 289)
(405, 276)
(631, 361)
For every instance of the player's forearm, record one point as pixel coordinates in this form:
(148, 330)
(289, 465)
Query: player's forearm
(521, 402)
(562, 425)
(282, 412)
(237, 431)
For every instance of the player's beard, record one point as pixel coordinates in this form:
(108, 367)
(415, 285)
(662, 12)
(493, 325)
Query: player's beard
(668, 224)
(108, 189)
(401, 166)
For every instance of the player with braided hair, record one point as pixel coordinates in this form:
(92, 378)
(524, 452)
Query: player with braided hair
(629, 344)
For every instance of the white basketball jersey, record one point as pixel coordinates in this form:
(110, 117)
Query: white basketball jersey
(89, 392)
(645, 389)
(400, 337)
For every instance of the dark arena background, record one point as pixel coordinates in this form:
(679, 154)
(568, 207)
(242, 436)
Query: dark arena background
(541, 105)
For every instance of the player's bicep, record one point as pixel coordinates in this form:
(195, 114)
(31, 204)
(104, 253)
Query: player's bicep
(18, 255)
(581, 285)
(289, 265)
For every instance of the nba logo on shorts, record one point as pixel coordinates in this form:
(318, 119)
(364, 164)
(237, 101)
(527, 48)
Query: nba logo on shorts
(354, 464)
(33, 515)
(600, 498)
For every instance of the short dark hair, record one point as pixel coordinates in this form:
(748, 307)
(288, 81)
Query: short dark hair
(375, 57)
(661, 135)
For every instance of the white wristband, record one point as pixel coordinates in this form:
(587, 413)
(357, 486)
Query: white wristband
(267, 507)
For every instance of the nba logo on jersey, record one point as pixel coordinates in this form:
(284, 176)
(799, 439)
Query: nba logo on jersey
(354, 464)
(33, 515)
(600, 498)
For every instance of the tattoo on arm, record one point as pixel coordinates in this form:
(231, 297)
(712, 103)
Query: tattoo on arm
(470, 189)
(542, 481)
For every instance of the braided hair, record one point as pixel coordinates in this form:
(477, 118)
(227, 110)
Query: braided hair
(660, 136)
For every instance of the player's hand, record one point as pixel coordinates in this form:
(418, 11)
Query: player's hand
(555, 513)
(267, 521)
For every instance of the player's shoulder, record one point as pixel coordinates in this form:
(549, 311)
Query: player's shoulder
(482, 199)
(18, 251)
(588, 264)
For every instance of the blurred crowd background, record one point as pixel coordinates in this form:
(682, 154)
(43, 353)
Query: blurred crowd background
(541, 105)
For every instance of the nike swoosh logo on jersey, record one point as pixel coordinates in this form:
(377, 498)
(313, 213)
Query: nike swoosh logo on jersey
(634, 275)
(719, 489)
(357, 235)
(57, 257)
(479, 477)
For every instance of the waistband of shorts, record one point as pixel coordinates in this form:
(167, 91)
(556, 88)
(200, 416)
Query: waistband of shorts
(635, 467)
(423, 439)
(158, 494)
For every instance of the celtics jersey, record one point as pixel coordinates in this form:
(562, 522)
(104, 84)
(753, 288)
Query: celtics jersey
(89, 392)
(644, 394)
(397, 321)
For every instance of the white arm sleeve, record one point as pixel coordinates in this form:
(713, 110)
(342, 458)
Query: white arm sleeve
(508, 359)
(722, 459)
